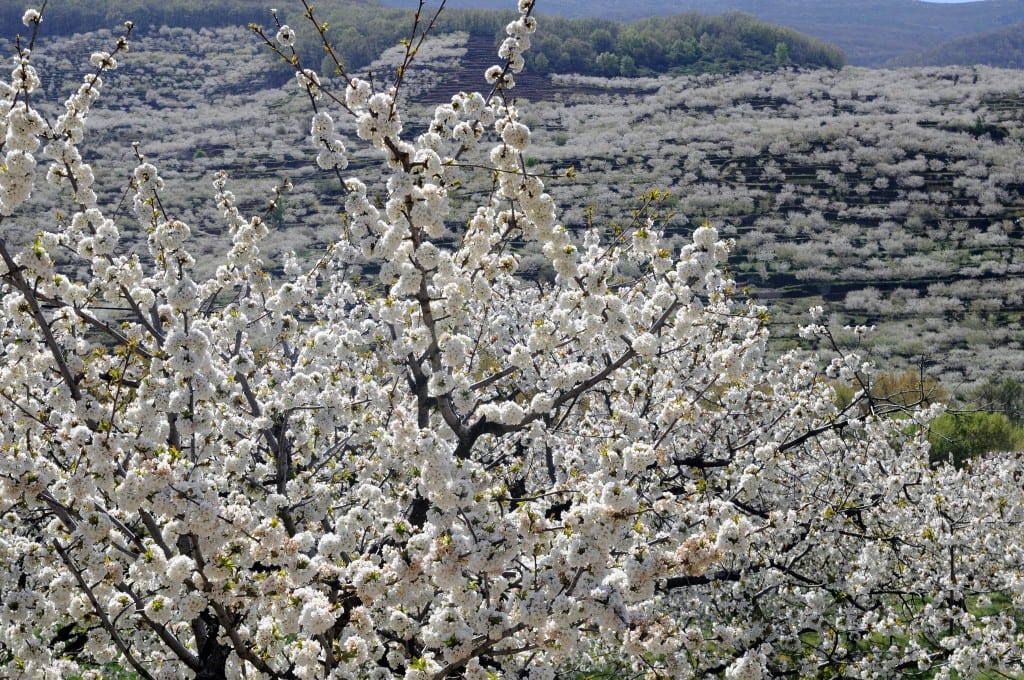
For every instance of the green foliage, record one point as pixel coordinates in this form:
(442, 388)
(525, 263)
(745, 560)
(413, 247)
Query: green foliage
(782, 54)
(955, 436)
(627, 66)
(601, 40)
(958, 437)
(1004, 396)
(541, 65)
(359, 32)
(683, 43)
(607, 64)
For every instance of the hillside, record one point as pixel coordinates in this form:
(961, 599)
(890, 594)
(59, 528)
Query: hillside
(1002, 48)
(679, 44)
(891, 197)
(685, 43)
(870, 32)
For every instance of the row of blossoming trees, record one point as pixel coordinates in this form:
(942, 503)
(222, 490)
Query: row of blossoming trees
(450, 472)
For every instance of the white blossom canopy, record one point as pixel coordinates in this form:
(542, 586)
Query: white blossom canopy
(446, 470)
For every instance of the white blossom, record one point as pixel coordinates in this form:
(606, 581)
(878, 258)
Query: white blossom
(286, 36)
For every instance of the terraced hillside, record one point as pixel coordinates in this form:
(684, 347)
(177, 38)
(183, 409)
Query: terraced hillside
(479, 55)
(892, 197)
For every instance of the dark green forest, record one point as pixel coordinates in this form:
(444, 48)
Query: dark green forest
(679, 44)
(362, 29)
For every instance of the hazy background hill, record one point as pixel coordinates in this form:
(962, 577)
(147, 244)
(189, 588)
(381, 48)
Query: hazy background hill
(870, 32)
(1002, 48)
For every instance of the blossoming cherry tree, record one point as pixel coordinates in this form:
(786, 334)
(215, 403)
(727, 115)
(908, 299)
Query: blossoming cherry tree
(447, 470)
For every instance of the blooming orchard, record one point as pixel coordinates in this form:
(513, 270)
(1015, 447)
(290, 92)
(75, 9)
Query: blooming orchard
(447, 470)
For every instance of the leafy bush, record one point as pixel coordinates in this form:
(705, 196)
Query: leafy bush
(959, 437)
(1004, 396)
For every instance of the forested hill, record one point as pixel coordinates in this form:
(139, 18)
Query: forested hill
(362, 29)
(681, 43)
(1002, 48)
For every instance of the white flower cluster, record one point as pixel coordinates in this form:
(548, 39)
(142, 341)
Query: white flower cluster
(747, 667)
(379, 122)
(16, 179)
(517, 42)
(330, 148)
(21, 127)
(147, 184)
(286, 36)
(512, 48)
(309, 81)
(103, 60)
(463, 121)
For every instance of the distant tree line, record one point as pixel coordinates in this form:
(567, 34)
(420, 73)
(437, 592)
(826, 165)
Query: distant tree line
(80, 16)
(362, 29)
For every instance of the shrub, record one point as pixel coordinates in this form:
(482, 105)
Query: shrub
(1004, 396)
(959, 437)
